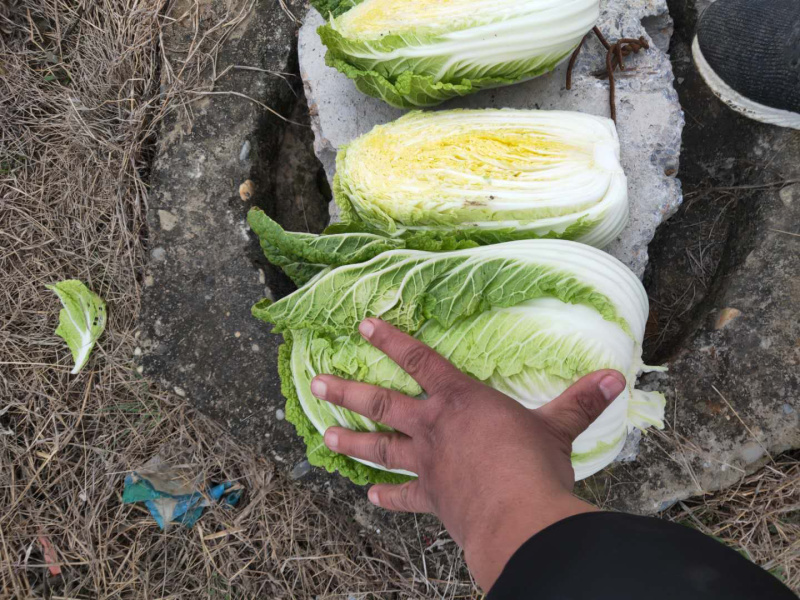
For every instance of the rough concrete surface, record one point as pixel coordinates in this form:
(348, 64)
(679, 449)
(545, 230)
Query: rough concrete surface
(733, 385)
(198, 336)
(206, 269)
(649, 115)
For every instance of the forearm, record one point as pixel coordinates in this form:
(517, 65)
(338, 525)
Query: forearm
(502, 529)
(625, 557)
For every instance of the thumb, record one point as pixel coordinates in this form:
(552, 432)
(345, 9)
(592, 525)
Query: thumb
(572, 412)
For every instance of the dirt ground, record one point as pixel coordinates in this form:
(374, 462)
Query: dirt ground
(82, 94)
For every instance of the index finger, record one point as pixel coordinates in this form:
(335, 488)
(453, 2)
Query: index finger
(428, 368)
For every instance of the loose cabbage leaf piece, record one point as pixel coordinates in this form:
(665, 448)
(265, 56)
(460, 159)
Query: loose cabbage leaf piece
(81, 321)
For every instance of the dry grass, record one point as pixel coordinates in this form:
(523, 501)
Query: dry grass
(80, 98)
(760, 517)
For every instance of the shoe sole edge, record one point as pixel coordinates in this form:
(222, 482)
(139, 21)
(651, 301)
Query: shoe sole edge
(738, 102)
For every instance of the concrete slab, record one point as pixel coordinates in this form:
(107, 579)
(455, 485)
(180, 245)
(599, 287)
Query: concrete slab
(205, 270)
(649, 115)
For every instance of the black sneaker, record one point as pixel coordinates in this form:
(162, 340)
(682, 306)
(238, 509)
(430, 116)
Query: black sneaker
(748, 52)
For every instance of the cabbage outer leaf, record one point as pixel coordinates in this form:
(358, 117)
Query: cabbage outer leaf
(407, 288)
(409, 90)
(303, 256)
(334, 7)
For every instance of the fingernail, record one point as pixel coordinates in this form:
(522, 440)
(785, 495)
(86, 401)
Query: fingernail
(331, 439)
(367, 328)
(319, 388)
(611, 387)
(372, 494)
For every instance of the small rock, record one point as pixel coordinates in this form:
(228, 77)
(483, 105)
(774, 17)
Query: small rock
(244, 153)
(238, 334)
(255, 348)
(158, 254)
(752, 451)
(246, 190)
(300, 470)
(167, 220)
(790, 194)
(179, 391)
(787, 409)
(280, 415)
(137, 351)
(726, 315)
(149, 281)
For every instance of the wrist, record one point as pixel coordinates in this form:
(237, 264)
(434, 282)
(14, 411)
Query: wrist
(505, 525)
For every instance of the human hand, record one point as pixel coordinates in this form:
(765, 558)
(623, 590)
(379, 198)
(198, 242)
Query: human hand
(493, 471)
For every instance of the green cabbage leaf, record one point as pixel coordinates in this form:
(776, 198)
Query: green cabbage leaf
(81, 321)
(303, 256)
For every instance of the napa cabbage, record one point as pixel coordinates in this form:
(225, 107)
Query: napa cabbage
(418, 53)
(462, 178)
(527, 317)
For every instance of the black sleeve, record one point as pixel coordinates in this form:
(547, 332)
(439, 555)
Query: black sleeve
(609, 556)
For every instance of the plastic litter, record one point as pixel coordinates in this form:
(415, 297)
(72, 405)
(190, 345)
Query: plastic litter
(174, 494)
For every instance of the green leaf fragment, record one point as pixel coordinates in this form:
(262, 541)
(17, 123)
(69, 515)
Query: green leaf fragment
(303, 256)
(333, 7)
(81, 321)
(409, 90)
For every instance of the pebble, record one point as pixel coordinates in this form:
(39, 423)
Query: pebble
(246, 190)
(300, 470)
(244, 153)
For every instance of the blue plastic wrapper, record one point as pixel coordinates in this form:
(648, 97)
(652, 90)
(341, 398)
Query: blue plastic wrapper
(172, 497)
